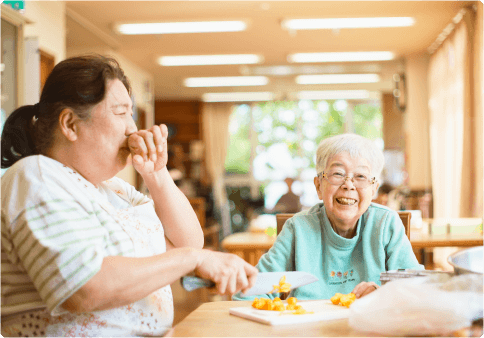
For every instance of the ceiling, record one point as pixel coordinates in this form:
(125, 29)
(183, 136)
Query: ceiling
(90, 23)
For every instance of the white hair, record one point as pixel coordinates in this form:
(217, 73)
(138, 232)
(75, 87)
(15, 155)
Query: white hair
(356, 146)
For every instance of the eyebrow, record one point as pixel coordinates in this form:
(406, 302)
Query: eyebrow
(337, 164)
(127, 105)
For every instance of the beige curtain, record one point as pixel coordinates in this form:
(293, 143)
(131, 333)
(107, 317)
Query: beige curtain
(452, 125)
(215, 122)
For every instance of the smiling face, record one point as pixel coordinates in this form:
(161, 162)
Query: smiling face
(345, 204)
(103, 139)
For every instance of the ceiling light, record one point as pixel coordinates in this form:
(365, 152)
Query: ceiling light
(337, 78)
(333, 94)
(202, 60)
(337, 23)
(225, 81)
(233, 97)
(181, 27)
(340, 57)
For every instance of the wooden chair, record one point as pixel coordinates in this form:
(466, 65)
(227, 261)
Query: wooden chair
(404, 216)
(209, 232)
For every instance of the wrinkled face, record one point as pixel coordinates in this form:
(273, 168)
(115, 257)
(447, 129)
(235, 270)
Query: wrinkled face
(104, 137)
(345, 204)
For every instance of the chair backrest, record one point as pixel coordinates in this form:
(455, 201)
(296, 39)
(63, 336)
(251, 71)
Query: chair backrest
(198, 205)
(404, 216)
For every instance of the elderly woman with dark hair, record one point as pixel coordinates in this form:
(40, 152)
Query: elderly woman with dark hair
(346, 241)
(83, 252)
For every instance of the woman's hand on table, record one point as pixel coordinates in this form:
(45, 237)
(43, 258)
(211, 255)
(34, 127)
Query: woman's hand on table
(229, 272)
(364, 288)
(149, 149)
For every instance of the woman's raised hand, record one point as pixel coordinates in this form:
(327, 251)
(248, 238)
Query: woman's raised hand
(229, 272)
(149, 149)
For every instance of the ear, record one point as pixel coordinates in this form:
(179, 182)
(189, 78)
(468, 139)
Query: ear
(317, 184)
(375, 188)
(68, 123)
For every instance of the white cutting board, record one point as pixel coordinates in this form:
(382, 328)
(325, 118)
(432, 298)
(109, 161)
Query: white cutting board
(323, 310)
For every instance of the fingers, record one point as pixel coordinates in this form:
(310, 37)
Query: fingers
(364, 288)
(150, 145)
(230, 273)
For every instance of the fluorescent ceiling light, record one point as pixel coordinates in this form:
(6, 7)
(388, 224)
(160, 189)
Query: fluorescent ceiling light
(225, 81)
(340, 57)
(333, 94)
(337, 78)
(201, 60)
(233, 97)
(181, 27)
(337, 23)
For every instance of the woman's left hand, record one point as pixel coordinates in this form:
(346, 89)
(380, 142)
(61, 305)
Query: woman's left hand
(364, 288)
(149, 149)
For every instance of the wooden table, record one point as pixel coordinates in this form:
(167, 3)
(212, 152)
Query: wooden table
(213, 320)
(248, 245)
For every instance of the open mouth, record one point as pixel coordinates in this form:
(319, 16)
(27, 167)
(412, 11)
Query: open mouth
(345, 201)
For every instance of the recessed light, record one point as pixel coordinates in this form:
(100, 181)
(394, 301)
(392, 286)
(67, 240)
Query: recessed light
(202, 60)
(333, 94)
(340, 57)
(180, 27)
(225, 81)
(237, 97)
(338, 23)
(337, 78)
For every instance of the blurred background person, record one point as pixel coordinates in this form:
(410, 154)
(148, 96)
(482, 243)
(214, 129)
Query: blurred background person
(289, 202)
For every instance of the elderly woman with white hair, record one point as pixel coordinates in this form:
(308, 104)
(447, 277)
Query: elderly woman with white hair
(346, 241)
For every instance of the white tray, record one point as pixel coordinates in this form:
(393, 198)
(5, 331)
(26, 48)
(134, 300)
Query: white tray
(323, 310)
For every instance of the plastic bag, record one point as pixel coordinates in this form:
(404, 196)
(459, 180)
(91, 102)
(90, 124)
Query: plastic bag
(435, 305)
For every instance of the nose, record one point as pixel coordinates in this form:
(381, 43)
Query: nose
(131, 127)
(347, 185)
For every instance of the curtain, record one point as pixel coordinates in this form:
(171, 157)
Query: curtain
(215, 122)
(452, 116)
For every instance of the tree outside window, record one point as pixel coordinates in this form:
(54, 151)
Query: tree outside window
(270, 141)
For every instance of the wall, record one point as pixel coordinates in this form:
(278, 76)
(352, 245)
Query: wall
(49, 25)
(417, 142)
(142, 89)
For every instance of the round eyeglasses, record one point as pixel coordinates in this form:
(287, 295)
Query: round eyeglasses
(360, 181)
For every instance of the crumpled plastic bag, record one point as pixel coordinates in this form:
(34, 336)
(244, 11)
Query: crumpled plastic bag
(434, 305)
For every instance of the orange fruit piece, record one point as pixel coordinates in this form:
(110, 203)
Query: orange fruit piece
(292, 300)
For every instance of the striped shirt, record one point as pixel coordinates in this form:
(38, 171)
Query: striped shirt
(56, 232)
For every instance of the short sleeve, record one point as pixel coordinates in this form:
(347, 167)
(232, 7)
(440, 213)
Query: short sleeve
(127, 191)
(60, 245)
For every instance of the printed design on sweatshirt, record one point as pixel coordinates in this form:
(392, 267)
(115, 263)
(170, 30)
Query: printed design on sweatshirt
(339, 277)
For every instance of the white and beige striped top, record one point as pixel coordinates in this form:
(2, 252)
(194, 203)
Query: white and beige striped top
(55, 232)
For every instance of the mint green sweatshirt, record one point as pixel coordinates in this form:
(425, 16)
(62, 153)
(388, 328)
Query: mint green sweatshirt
(308, 243)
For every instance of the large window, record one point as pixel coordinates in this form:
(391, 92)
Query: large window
(270, 141)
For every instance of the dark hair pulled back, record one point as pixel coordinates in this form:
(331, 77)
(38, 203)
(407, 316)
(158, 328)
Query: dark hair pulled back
(77, 83)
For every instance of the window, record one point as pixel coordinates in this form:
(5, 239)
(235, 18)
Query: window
(270, 141)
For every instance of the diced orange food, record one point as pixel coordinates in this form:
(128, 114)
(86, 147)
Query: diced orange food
(343, 300)
(277, 305)
(282, 287)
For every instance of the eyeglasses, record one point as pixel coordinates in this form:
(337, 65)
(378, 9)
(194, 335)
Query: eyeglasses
(360, 181)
